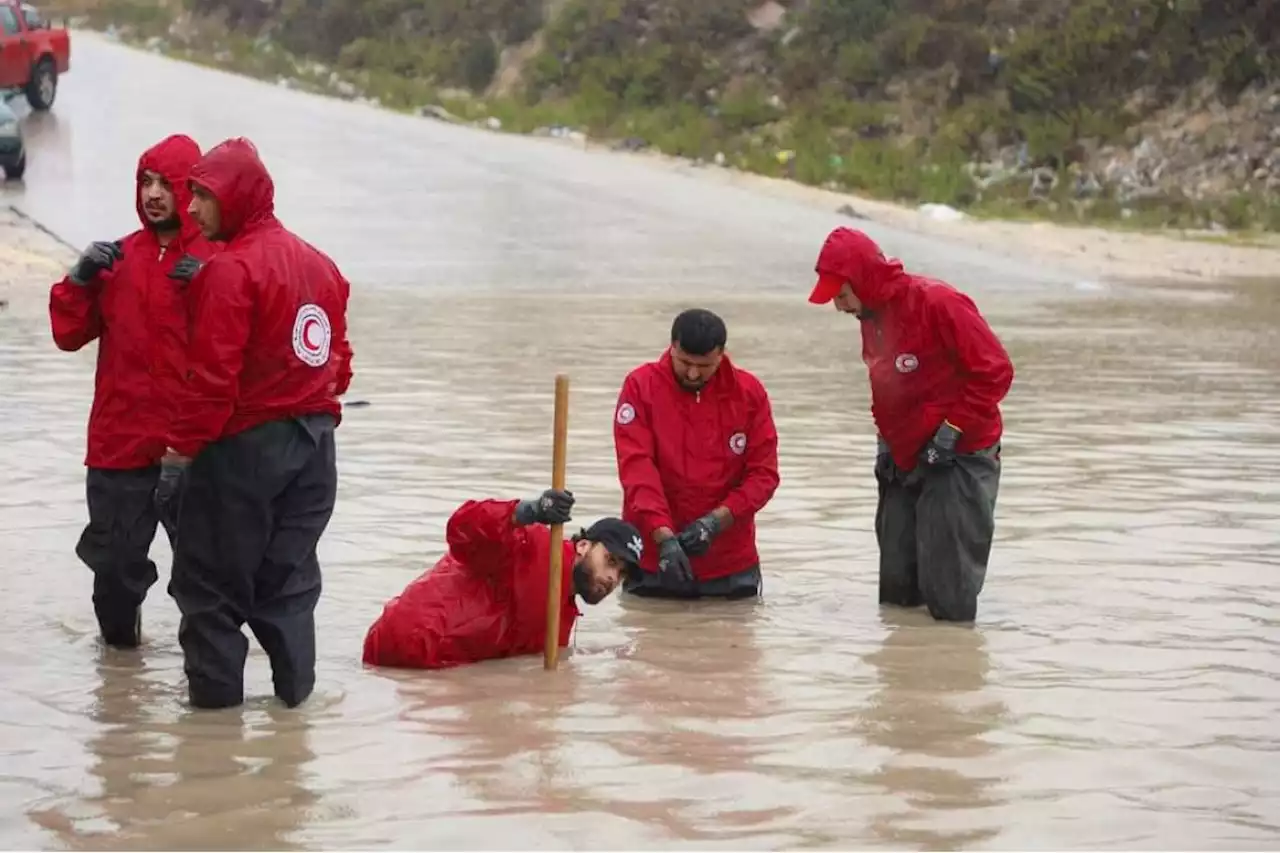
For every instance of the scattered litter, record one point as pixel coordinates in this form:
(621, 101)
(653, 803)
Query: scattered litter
(941, 212)
(848, 210)
(437, 112)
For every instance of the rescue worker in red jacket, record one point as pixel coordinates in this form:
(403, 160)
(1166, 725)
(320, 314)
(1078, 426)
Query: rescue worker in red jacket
(268, 359)
(118, 293)
(697, 457)
(486, 598)
(938, 375)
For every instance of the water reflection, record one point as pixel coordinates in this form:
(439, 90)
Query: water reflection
(698, 700)
(630, 737)
(930, 712)
(508, 730)
(511, 753)
(171, 778)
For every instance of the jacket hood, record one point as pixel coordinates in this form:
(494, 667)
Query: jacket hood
(173, 158)
(855, 257)
(234, 174)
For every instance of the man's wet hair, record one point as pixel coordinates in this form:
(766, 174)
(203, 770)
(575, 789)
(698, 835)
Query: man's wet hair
(699, 332)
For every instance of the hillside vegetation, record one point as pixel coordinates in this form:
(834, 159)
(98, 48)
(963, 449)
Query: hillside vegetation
(1151, 111)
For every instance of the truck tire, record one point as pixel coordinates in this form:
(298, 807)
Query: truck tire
(43, 85)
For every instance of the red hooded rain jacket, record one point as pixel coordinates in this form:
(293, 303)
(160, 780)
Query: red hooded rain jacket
(269, 328)
(139, 317)
(930, 354)
(680, 455)
(485, 598)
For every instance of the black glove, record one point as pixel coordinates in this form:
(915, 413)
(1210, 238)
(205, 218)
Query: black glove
(673, 563)
(551, 507)
(98, 257)
(884, 460)
(168, 494)
(169, 485)
(186, 268)
(696, 538)
(941, 449)
(170, 480)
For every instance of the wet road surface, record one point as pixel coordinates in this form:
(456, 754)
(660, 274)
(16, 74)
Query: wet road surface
(1120, 690)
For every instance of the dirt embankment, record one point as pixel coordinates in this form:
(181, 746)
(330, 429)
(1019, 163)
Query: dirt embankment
(1091, 251)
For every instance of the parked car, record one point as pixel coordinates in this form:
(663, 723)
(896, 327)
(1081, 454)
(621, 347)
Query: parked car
(33, 54)
(13, 149)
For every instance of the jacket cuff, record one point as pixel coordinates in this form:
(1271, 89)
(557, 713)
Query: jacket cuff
(650, 522)
(737, 506)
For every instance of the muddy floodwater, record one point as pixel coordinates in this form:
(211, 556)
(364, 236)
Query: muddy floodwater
(1120, 690)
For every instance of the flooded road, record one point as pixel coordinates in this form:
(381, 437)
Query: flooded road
(1121, 689)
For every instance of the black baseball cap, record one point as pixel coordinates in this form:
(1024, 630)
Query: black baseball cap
(619, 538)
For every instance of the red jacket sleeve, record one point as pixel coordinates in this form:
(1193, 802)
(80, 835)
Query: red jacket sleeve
(761, 478)
(222, 313)
(981, 357)
(637, 464)
(73, 314)
(483, 537)
(342, 350)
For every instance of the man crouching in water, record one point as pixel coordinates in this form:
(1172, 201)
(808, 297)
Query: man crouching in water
(486, 597)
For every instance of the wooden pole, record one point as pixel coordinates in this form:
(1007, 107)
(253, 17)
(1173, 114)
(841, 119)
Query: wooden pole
(555, 593)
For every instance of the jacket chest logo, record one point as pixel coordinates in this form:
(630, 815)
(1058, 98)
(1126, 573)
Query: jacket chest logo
(906, 362)
(738, 443)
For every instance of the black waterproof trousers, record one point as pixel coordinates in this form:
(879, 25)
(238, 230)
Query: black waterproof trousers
(935, 528)
(116, 544)
(253, 509)
(744, 584)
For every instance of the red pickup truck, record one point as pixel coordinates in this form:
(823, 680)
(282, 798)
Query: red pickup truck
(32, 53)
